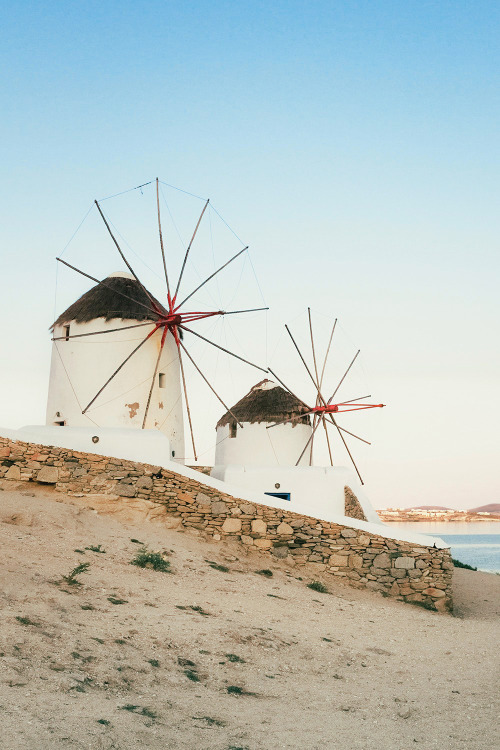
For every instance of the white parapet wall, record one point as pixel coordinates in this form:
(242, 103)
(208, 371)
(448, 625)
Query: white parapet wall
(132, 451)
(321, 489)
(145, 446)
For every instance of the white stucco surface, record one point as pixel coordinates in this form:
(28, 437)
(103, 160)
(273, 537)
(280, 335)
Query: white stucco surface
(145, 446)
(250, 496)
(81, 366)
(254, 445)
(319, 488)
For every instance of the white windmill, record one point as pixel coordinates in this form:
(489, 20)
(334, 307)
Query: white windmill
(274, 454)
(118, 352)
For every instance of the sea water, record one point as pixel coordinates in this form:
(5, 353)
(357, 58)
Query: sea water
(474, 543)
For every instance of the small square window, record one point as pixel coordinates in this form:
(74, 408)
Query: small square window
(232, 429)
(161, 380)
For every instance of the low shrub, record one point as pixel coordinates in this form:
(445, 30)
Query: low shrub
(218, 566)
(153, 560)
(234, 658)
(71, 578)
(27, 621)
(318, 586)
(459, 564)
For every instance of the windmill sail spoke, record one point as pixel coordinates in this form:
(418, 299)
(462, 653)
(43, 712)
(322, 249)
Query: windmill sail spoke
(161, 238)
(211, 277)
(108, 381)
(97, 333)
(307, 444)
(348, 451)
(153, 380)
(312, 441)
(189, 248)
(344, 376)
(238, 312)
(348, 432)
(123, 256)
(327, 353)
(210, 386)
(313, 349)
(316, 416)
(178, 342)
(305, 364)
(328, 441)
(354, 435)
(60, 260)
(103, 283)
(217, 346)
(352, 400)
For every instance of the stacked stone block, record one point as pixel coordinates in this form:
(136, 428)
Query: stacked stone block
(352, 506)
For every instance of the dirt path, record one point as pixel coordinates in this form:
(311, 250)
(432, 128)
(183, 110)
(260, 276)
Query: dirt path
(204, 658)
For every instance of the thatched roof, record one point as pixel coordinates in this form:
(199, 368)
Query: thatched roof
(266, 402)
(118, 296)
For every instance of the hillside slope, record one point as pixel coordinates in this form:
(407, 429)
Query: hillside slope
(206, 658)
(490, 508)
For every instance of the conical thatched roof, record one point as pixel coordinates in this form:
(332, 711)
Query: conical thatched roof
(266, 402)
(118, 296)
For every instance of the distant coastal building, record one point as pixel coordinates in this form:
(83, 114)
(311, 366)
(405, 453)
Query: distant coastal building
(435, 514)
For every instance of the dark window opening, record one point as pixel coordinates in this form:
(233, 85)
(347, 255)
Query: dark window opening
(232, 429)
(161, 380)
(281, 495)
(66, 332)
(60, 423)
(173, 454)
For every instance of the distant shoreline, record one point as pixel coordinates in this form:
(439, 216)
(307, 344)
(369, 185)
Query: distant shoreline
(445, 518)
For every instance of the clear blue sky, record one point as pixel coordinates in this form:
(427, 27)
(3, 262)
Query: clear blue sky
(353, 145)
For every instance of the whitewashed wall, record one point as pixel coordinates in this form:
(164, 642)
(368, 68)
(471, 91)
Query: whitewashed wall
(81, 366)
(318, 488)
(254, 445)
(146, 446)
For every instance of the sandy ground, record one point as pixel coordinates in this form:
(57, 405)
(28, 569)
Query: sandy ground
(128, 660)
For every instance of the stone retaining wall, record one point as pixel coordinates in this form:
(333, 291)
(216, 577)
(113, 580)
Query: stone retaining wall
(407, 571)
